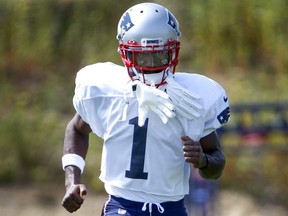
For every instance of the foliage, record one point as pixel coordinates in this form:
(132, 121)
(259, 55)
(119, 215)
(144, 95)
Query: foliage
(30, 143)
(240, 44)
(240, 33)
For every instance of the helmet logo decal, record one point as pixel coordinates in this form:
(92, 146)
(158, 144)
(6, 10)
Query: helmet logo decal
(172, 22)
(126, 23)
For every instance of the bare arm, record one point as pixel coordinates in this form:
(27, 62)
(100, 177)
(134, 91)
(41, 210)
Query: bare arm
(76, 141)
(205, 155)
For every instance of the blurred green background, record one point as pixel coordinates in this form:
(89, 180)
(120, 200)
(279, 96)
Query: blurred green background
(241, 44)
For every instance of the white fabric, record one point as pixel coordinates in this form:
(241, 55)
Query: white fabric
(73, 159)
(159, 207)
(105, 100)
(140, 196)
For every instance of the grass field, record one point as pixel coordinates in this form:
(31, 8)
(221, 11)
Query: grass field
(32, 201)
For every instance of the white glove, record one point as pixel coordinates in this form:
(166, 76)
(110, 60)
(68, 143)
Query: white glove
(151, 98)
(187, 104)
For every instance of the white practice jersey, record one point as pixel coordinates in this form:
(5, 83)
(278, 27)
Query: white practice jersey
(148, 159)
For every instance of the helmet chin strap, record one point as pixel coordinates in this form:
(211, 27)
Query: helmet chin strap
(153, 79)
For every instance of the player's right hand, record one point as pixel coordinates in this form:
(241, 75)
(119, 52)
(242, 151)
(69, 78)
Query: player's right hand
(74, 197)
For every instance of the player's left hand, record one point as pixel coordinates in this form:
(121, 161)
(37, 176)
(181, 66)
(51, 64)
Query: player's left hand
(193, 152)
(187, 103)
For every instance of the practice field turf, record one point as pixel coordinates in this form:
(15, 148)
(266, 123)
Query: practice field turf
(32, 201)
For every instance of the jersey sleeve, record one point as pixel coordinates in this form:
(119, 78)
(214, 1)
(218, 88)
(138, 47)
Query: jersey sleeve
(78, 103)
(82, 84)
(218, 113)
(96, 94)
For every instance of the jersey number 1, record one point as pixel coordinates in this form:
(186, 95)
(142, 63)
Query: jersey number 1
(138, 151)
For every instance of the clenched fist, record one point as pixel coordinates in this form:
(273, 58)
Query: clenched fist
(193, 152)
(74, 197)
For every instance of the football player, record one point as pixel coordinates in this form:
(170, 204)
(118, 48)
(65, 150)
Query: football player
(156, 124)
